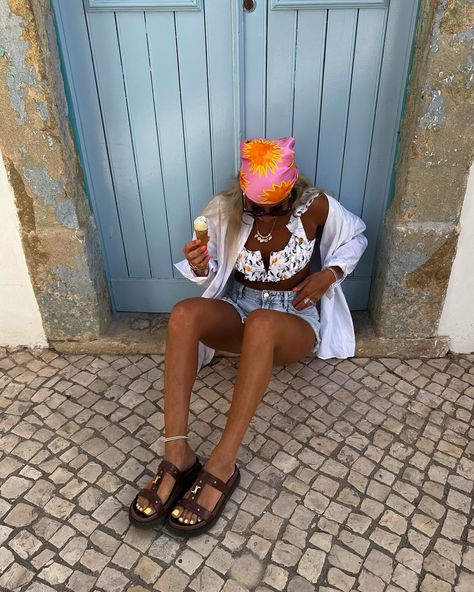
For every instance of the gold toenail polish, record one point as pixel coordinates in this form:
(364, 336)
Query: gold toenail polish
(147, 511)
(186, 521)
(191, 522)
(175, 513)
(180, 519)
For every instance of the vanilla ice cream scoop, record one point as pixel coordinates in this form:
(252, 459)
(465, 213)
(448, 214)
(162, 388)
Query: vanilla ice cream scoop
(200, 223)
(200, 227)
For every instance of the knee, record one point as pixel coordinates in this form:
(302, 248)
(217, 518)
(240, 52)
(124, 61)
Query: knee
(184, 314)
(260, 325)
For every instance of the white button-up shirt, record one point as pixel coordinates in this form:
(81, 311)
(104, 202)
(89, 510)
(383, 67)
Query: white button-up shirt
(342, 244)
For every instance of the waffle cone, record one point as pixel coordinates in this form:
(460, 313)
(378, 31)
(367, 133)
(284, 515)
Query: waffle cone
(203, 236)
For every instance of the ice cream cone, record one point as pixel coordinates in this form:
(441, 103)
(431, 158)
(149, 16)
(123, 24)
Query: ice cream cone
(200, 228)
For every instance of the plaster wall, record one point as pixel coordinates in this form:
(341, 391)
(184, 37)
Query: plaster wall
(457, 318)
(20, 318)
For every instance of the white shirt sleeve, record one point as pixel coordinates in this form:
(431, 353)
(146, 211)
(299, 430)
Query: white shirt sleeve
(346, 254)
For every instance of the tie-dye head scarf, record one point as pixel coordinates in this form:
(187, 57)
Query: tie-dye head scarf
(268, 171)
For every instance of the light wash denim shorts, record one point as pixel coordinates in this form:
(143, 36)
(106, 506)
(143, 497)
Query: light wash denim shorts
(245, 300)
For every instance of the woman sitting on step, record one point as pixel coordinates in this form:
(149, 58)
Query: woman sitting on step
(260, 302)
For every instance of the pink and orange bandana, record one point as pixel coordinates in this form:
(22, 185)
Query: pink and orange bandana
(268, 171)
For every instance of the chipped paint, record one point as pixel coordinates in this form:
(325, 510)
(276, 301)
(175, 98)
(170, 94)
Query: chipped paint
(19, 76)
(46, 188)
(464, 36)
(469, 70)
(43, 110)
(434, 46)
(435, 116)
(52, 193)
(446, 80)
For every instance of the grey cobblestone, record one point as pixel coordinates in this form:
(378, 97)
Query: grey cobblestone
(357, 475)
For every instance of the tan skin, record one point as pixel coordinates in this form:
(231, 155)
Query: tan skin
(274, 338)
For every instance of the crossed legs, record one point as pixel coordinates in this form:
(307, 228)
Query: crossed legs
(267, 338)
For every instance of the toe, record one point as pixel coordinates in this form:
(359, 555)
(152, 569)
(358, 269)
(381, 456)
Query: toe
(177, 512)
(185, 517)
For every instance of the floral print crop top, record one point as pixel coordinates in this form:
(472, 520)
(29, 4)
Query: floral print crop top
(285, 263)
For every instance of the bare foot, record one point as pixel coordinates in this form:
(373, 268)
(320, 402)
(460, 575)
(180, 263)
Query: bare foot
(181, 456)
(209, 496)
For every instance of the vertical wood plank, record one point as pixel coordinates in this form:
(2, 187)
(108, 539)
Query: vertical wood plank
(166, 90)
(365, 78)
(192, 65)
(308, 88)
(136, 72)
(336, 91)
(280, 72)
(223, 92)
(255, 66)
(105, 51)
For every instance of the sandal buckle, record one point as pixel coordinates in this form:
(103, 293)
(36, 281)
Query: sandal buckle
(195, 489)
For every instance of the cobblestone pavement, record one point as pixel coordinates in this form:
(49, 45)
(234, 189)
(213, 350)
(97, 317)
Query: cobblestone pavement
(356, 475)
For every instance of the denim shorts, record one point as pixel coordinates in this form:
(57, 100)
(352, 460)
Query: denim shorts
(245, 300)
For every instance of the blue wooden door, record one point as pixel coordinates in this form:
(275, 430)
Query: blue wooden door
(161, 91)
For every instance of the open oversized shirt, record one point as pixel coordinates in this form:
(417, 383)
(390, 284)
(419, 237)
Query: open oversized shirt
(342, 244)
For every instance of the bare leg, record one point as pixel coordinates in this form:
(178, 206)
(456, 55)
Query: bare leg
(190, 321)
(270, 337)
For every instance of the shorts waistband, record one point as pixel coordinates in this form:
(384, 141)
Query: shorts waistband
(283, 296)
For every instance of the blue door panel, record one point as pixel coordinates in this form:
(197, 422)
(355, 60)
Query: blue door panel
(146, 162)
(339, 54)
(359, 129)
(110, 84)
(224, 99)
(161, 29)
(255, 39)
(309, 71)
(281, 50)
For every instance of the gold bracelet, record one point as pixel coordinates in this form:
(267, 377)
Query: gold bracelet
(334, 273)
(200, 269)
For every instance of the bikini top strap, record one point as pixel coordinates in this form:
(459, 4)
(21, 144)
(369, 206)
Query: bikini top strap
(309, 195)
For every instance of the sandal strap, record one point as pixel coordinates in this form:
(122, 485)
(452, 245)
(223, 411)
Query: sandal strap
(152, 497)
(214, 481)
(205, 478)
(166, 466)
(190, 504)
(170, 468)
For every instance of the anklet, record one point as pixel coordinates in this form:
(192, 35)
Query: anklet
(163, 439)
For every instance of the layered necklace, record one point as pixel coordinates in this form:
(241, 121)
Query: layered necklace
(264, 238)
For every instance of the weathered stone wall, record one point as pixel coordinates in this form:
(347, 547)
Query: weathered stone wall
(419, 239)
(58, 230)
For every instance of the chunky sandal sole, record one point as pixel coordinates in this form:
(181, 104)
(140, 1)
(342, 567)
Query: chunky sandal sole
(177, 493)
(187, 532)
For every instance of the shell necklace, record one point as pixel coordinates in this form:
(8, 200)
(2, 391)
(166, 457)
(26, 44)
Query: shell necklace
(264, 238)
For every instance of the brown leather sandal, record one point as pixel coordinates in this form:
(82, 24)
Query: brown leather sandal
(183, 480)
(190, 503)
